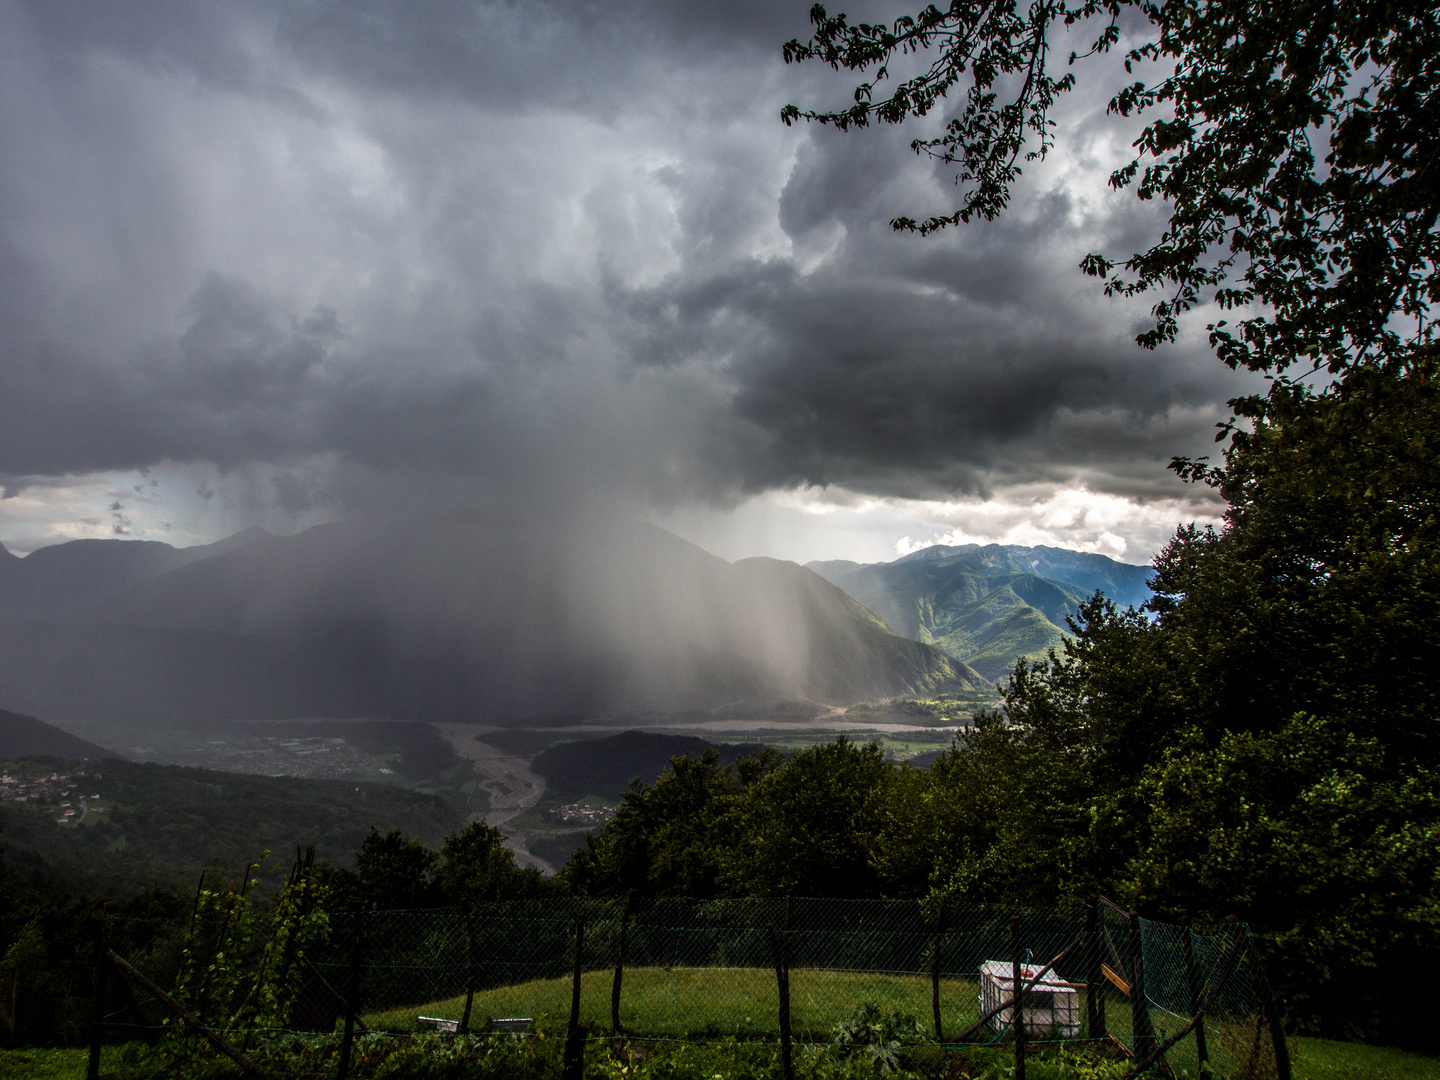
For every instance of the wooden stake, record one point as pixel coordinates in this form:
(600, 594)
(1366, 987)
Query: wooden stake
(97, 1011)
(1094, 995)
(189, 1018)
(935, 972)
(620, 964)
(1141, 1033)
(469, 968)
(352, 997)
(1143, 1030)
(195, 908)
(1017, 1011)
(1272, 1013)
(1145, 1061)
(1192, 980)
(137, 1014)
(574, 1037)
(345, 1005)
(782, 984)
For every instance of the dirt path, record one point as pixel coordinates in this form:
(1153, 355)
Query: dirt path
(507, 779)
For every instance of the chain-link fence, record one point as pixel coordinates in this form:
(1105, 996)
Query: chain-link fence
(817, 971)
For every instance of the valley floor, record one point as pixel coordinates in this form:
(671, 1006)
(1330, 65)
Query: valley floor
(513, 788)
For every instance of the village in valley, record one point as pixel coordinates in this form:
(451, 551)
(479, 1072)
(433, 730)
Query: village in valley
(65, 790)
(333, 758)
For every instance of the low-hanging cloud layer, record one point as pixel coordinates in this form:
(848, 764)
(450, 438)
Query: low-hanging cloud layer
(330, 257)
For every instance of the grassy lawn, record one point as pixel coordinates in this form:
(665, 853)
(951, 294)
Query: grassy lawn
(1324, 1059)
(744, 1002)
(42, 1064)
(712, 1001)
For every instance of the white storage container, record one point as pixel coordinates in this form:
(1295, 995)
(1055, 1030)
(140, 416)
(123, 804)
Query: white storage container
(1051, 1009)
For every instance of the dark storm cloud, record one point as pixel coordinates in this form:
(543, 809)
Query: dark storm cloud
(546, 248)
(583, 54)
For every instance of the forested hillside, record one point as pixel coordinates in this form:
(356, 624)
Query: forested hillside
(991, 605)
(605, 767)
(159, 825)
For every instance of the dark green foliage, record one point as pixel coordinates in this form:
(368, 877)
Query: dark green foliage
(1263, 741)
(166, 822)
(605, 767)
(473, 1058)
(47, 954)
(665, 839)
(478, 868)
(393, 873)
(807, 824)
(882, 1033)
(490, 1057)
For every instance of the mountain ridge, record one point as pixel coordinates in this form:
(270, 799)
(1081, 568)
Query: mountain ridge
(23, 736)
(461, 621)
(58, 582)
(986, 605)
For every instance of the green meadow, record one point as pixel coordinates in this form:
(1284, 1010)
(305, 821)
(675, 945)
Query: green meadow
(705, 1001)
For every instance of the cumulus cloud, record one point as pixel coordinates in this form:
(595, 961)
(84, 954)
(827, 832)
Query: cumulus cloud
(538, 254)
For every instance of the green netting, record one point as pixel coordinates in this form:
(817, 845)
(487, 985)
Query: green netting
(702, 969)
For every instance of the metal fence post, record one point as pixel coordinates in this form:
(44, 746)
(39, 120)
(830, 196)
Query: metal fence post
(574, 1038)
(97, 1012)
(1017, 1010)
(1192, 981)
(620, 964)
(1094, 995)
(935, 972)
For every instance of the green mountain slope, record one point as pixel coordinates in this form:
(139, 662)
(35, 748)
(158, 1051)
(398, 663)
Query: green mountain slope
(986, 606)
(162, 824)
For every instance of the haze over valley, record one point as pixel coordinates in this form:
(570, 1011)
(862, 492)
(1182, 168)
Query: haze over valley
(447, 659)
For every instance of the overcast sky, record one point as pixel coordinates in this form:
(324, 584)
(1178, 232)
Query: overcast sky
(272, 264)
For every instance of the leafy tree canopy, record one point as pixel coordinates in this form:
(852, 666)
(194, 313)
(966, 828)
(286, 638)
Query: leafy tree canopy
(476, 868)
(1295, 143)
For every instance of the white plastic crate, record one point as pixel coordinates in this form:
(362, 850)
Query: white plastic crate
(1051, 1009)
